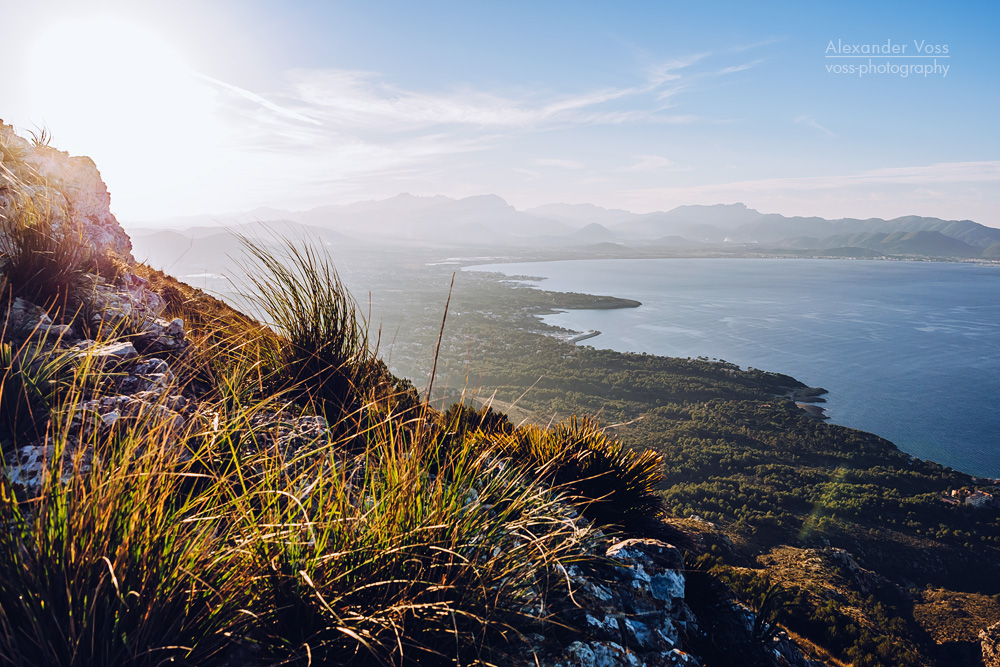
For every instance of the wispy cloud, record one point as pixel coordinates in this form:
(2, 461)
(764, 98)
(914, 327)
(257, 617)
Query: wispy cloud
(253, 97)
(343, 124)
(739, 68)
(670, 70)
(809, 121)
(756, 45)
(326, 130)
(358, 100)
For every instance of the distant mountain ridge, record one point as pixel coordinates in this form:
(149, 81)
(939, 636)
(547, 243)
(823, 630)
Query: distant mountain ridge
(490, 220)
(736, 223)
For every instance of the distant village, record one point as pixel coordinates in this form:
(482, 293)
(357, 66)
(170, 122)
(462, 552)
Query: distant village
(973, 497)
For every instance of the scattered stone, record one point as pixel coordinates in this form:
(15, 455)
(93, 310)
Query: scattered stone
(23, 317)
(160, 335)
(54, 332)
(112, 352)
(148, 375)
(599, 654)
(272, 430)
(115, 305)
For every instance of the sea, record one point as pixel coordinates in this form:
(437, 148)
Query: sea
(908, 350)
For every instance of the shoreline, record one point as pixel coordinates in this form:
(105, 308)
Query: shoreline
(805, 399)
(810, 404)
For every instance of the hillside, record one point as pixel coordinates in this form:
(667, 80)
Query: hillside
(760, 478)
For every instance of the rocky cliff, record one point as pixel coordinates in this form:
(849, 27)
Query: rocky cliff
(69, 188)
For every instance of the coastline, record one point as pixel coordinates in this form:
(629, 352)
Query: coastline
(931, 434)
(805, 399)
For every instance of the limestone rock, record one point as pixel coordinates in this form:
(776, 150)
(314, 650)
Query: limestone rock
(149, 375)
(28, 464)
(160, 335)
(128, 300)
(111, 352)
(79, 200)
(23, 317)
(629, 612)
(990, 638)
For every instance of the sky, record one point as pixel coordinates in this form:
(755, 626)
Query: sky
(211, 106)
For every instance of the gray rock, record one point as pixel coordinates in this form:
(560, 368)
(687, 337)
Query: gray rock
(160, 335)
(667, 585)
(54, 332)
(112, 352)
(630, 611)
(599, 654)
(23, 317)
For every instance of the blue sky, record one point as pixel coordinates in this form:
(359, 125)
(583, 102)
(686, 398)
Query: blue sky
(211, 106)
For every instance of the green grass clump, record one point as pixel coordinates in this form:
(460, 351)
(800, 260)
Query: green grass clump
(614, 485)
(30, 375)
(322, 352)
(375, 558)
(40, 266)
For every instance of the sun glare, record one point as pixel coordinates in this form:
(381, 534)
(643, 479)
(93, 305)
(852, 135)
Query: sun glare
(121, 93)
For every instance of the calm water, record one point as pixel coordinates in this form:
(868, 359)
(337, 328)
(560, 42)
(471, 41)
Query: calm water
(908, 350)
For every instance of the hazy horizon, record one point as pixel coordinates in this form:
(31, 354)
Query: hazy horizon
(223, 219)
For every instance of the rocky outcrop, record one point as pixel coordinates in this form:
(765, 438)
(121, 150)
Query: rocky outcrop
(134, 371)
(69, 188)
(628, 611)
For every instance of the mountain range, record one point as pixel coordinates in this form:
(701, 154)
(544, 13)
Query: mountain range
(490, 220)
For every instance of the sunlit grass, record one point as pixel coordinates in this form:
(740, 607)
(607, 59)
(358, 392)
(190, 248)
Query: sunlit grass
(395, 536)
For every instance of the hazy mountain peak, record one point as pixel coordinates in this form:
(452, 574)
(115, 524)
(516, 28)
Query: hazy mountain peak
(579, 215)
(486, 200)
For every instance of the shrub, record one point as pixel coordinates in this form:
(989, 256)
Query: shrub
(614, 485)
(322, 354)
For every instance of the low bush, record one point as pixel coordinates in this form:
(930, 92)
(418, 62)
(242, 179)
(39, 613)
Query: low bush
(614, 485)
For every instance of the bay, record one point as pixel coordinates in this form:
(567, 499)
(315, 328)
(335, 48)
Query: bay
(908, 350)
